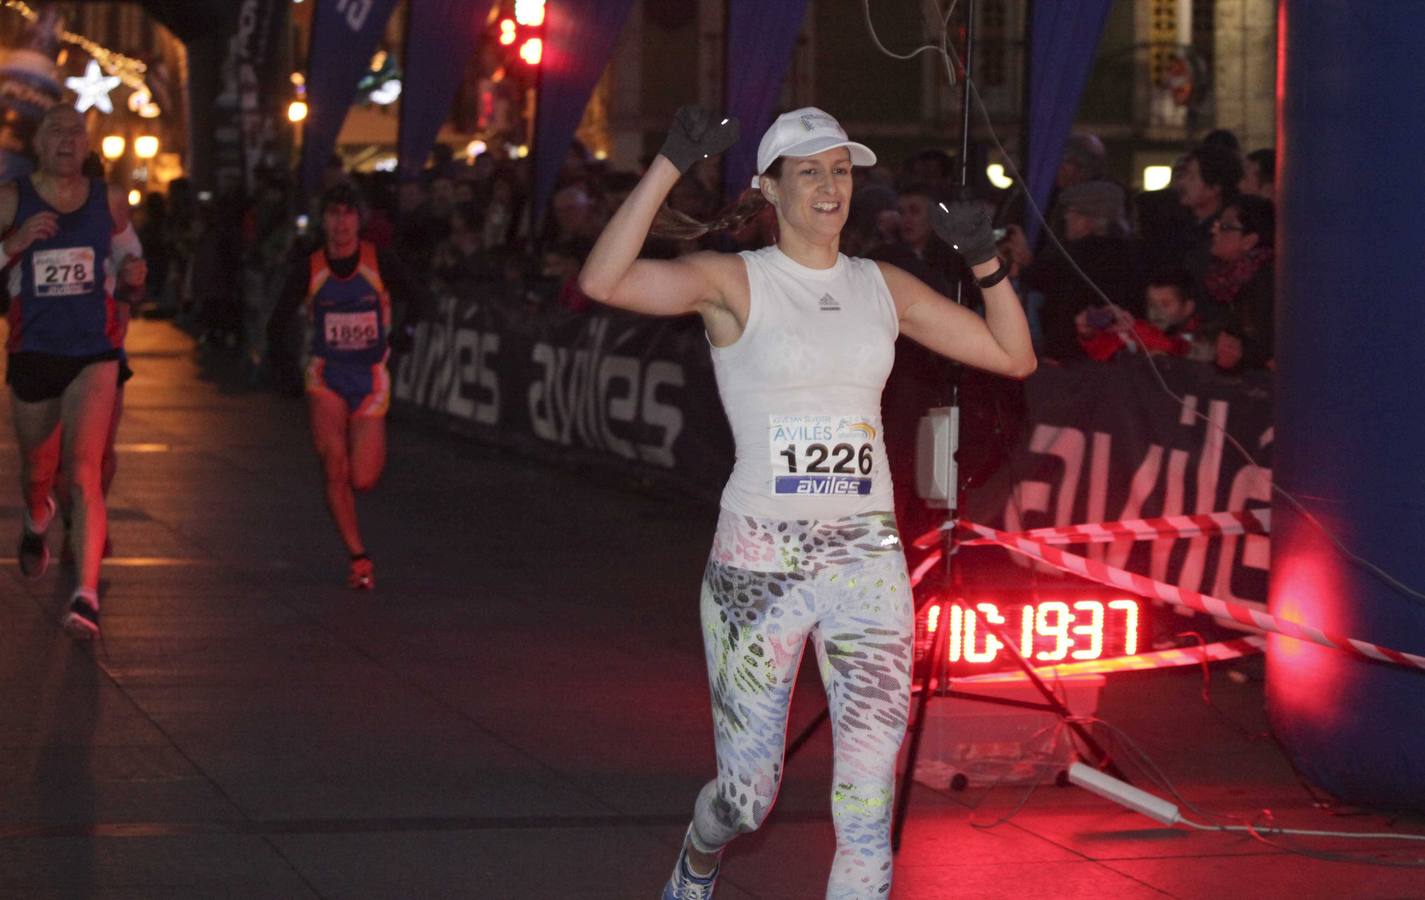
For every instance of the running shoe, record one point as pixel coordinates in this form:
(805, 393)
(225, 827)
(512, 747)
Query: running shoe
(34, 549)
(683, 884)
(362, 576)
(82, 619)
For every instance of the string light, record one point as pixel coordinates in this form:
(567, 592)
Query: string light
(128, 70)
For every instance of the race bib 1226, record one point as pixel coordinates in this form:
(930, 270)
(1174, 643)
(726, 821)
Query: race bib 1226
(822, 455)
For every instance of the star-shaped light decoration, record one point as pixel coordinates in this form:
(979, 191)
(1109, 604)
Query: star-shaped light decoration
(93, 88)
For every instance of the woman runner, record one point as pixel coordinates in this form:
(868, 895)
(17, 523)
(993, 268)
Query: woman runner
(806, 544)
(346, 289)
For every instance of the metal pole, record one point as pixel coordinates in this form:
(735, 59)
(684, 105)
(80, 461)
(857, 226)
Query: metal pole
(937, 673)
(938, 662)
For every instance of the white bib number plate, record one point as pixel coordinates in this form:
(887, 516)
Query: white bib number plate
(64, 271)
(351, 331)
(822, 455)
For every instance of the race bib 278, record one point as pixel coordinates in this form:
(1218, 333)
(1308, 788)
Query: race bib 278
(64, 271)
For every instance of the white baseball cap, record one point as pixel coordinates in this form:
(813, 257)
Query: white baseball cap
(807, 132)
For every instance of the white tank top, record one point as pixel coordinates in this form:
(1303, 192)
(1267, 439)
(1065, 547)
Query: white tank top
(802, 389)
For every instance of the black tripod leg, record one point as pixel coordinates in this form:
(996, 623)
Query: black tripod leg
(936, 668)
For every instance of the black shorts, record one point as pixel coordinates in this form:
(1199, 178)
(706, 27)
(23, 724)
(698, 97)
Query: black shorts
(44, 376)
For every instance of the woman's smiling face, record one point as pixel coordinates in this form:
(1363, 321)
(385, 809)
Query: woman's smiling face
(813, 193)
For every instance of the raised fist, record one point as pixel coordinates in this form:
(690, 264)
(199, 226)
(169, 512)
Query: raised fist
(697, 134)
(965, 225)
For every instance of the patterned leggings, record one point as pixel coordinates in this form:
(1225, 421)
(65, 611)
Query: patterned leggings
(769, 585)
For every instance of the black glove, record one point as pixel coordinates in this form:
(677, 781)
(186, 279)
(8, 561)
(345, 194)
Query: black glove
(965, 225)
(697, 134)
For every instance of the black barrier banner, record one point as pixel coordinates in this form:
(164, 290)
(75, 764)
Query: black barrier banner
(1086, 444)
(607, 387)
(1101, 443)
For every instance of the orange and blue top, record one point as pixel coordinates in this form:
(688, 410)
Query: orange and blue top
(348, 318)
(61, 302)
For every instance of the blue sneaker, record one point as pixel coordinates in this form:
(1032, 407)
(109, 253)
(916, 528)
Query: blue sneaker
(684, 885)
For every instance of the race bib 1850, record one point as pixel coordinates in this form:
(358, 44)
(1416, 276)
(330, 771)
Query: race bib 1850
(64, 271)
(827, 455)
(350, 331)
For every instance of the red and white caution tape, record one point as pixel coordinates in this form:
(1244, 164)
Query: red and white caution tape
(929, 539)
(925, 565)
(1250, 615)
(1158, 659)
(1253, 521)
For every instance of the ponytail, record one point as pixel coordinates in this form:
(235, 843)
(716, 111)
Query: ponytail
(751, 209)
(679, 226)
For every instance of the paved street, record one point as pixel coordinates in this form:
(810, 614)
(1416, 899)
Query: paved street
(518, 711)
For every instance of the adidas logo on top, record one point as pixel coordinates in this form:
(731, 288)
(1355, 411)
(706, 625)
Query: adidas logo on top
(828, 303)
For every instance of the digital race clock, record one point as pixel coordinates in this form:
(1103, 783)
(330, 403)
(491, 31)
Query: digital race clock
(1045, 631)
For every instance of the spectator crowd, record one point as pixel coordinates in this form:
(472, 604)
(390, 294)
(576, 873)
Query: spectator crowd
(1185, 271)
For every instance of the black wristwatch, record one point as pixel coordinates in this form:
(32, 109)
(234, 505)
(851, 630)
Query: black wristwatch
(994, 277)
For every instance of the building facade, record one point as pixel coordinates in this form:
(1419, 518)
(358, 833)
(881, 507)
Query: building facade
(153, 104)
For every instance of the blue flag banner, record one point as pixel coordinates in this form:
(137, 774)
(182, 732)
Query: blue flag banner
(1063, 41)
(760, 39)
(578, 41)
(440, 36)
(345, 34)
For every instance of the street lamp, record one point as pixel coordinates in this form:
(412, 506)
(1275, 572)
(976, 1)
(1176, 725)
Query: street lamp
(112, 146)
(145, 146)
(296, 111)
(1156, 178)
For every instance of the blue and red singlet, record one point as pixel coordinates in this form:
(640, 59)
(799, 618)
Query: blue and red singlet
(61, 302)
(348, 323)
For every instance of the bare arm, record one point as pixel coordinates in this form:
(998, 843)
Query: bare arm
(999, 343)
(118, 209)
(20, 235)
(613, 274)
(126, 251)
(701, 282)
(713, 285)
